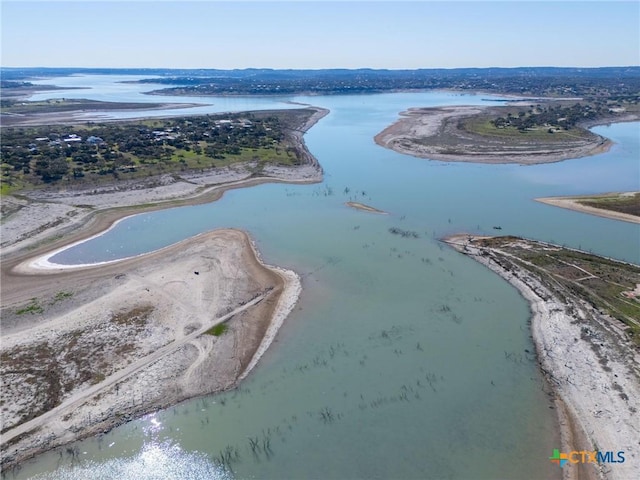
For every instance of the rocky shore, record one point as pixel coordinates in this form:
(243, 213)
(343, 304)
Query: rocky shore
(585, 357)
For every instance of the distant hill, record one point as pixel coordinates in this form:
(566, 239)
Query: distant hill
(529, 81)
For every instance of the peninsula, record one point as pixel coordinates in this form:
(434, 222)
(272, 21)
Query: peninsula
(586, 328)
(524, 133)
(623, 206)
(160, 328)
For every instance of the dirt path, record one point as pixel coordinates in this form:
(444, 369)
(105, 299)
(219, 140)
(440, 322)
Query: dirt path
(115, 365)
(83, 395)
(586, 360)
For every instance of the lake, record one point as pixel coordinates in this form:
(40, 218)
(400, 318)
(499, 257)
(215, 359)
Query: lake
(403, 359)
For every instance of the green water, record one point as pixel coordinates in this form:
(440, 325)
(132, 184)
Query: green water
(403, 359)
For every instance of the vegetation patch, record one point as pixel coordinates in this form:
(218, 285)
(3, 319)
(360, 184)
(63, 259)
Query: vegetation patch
(137, 316)
(403, 233)
(629, 204)
(94, 152)
(608, 285)
(61, 296)
(33, 308)
(217, 330)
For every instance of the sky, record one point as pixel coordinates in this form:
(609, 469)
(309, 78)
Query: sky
(322, 34)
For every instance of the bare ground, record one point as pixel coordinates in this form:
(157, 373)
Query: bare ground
(129, 337)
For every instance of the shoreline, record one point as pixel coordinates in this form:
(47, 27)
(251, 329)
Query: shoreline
(590, 416)
(435, 123)
(81, 214)
(244, 346)
(573, 203)
(14, 120)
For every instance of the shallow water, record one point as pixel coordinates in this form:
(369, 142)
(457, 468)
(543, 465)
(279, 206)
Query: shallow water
(403, 359)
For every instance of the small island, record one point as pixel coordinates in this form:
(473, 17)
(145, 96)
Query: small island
(365, 208)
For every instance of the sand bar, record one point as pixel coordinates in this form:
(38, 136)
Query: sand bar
(573, 203)
(366, 208)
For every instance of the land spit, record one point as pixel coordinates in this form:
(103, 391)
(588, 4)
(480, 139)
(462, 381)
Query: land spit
(438, 134)
(574, 203)
(585, 355)
(60, 216)
(109, 343)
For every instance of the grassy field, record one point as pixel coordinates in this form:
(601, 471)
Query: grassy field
(263, 155)
(616, 202)
(599, 281)
(481, 125)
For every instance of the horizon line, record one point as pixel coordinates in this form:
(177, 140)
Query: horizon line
(320, 68)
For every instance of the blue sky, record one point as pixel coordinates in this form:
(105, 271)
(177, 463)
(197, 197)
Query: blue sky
(304, 34)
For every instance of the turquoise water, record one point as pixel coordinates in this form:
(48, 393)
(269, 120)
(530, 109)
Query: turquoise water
(403, 359)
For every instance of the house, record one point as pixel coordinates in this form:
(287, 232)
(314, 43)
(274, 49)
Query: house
(92, 140)
(72, 138)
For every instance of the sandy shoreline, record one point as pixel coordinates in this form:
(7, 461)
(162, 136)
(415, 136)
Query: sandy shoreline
(85, 304)
(432, 133)
(592, 413)
(83, 115)
(167, 358)
(572, 203)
